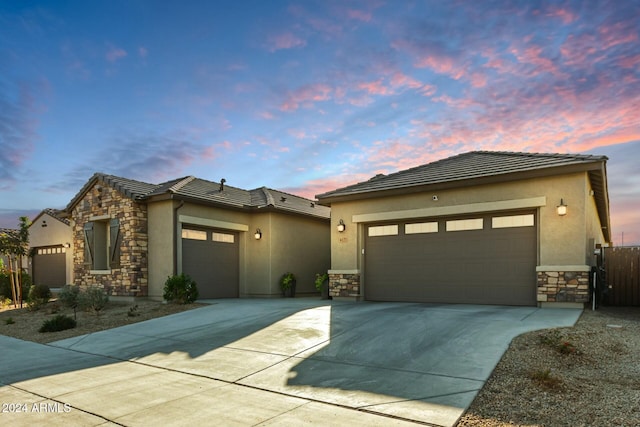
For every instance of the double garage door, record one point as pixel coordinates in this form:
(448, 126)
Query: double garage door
(482, 259)
(211, 258)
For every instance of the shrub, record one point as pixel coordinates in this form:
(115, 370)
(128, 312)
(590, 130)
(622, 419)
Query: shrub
(9, 321)
(94, 298)
(320, 279)
(554, 340)
(545, 378)
(58, 323)
(133, 311)
(39, 295)
(5, 284)
(69, 295)
(180, 289)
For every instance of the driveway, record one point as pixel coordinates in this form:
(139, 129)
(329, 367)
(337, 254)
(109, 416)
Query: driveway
(269, 362)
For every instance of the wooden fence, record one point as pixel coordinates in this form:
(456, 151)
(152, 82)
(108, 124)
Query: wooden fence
(622, 276)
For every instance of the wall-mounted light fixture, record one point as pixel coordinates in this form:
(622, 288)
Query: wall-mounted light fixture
(341, 226)
(561, 208)
(66, 245)
(258, 234)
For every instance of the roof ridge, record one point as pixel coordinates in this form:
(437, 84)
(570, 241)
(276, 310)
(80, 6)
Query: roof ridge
(267, 194)
(181, 183)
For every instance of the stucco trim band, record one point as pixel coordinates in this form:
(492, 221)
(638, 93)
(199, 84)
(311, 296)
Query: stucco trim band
(194, 220)
(563, 268)
(502, 205)
(344, 271)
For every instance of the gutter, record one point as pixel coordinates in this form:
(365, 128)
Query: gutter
(175, 237)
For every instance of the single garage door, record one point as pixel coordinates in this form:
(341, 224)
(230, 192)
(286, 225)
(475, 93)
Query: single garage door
(482, 259)
(49, 266)
(211, 258)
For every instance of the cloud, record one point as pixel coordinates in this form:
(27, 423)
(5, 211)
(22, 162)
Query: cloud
(286, 40)
(10, 218)
(150, 158)
(142, 52)
(115, 53)
(306, 96)
(18, 127)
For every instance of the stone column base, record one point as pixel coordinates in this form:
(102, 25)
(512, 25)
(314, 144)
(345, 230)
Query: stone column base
(563, 286)
(344, 284)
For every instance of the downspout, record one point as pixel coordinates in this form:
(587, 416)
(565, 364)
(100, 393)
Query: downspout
(175, 237)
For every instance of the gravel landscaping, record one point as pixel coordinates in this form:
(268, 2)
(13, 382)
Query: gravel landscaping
(588, 375)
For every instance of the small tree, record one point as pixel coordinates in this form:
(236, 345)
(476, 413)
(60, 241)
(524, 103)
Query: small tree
(14, 244)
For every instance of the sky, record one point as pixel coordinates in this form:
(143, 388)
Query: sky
(309, 96)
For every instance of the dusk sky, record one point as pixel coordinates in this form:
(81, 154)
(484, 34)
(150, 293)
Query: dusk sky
(309, 96)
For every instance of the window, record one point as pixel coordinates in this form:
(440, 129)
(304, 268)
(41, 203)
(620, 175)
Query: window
(222, 237)
(194, 234)
(512, 221)
(383, 230)
(102, 241)
(465, 224)
(423, 227)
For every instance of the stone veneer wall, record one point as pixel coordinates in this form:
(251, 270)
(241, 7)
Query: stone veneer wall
(131, 278)
(563, 286)
(344, 285)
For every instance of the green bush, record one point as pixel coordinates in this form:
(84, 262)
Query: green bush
(5, 284)
(94, 298)
(58, 323)
(39, 295)
(180, 289)
(69, 295)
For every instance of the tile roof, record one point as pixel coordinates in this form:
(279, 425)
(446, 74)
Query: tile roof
(58, 214)
(207, 192)
(467, 166)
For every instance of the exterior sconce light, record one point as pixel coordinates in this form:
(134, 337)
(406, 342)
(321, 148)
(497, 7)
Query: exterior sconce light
(258, 234)
(66, 245)
(562, 208)
(341, 226)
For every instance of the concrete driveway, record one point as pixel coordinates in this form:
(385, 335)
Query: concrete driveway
(269, 362)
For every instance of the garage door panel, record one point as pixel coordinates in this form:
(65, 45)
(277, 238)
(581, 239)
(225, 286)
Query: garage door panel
(214, 265)
(483, 266)
(49, 266)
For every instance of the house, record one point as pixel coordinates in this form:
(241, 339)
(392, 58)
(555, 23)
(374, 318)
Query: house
(480, 228)
(129, 236)
(50, 240)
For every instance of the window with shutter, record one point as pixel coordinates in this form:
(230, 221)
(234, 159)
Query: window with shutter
(89, 243)
(114, 243)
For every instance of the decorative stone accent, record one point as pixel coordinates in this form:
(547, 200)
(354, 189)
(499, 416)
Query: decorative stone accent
(563, 286)
(344, 285)
(131, 277)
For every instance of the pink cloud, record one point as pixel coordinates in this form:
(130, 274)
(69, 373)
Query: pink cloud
(399, 79)
(143, 52)
(566, 16)
(285, 40)
(478, 80)
(441, 65)
(359, 15)
(115, 53)
(306, 96)
(375, 88)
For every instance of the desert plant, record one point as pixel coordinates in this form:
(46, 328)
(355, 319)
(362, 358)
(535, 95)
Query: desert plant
(133, 311)
(545, 378)
(288, 284)
(320, 279)
(68, 296)
(554, 339)
(39, 295)
(58, 323)
(181, 289)
(9, 321)
(94, 298)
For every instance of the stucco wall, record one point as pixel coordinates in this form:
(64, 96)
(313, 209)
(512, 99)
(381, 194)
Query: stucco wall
(56, 233)
(562, 239)
(301, 246)
(289, 242)
(161, 245)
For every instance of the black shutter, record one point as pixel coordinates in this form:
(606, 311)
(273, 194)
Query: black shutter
(115, 241)
(89, 248)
